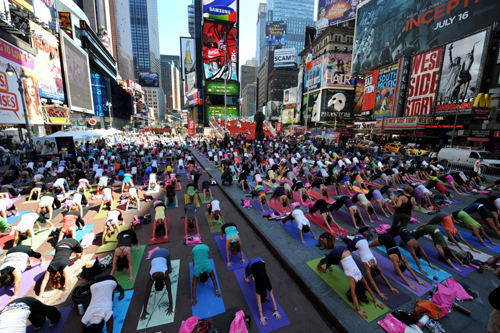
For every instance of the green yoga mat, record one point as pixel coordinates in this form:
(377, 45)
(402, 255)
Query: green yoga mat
(112, 241)
(110, 246)
(202, 199)
(30, 201)
(216, 223)
(104, 212)
(40, 237)
(158, 302)
(136, 262)
(424, 210)
(339, 282)
(186, 200)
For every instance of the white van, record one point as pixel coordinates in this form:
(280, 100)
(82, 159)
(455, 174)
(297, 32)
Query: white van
(468, 156)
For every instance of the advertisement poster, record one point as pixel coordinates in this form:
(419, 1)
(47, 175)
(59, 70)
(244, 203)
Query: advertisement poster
(273, 110)
(299, 90)
(386, 91)
(188, 56)
(218, 112)
(46, 11)
(314, 106)
(191, 127)
(99, 94)
(190, 84)
(221, 10)
(57, 115)
(359, 90)
(11, 109)
(77, 75)
(289, 116)
(461, 74)
(284, 57)
(336, 104)
(275, 33)
(312, 80)
(48, 63)
(220, 52)
(217, 88)
(65, 23)
(335, 11)
(46, 145)
(423, 83)
(148, 79)
(404, 65)
(279, 127)
(27, 4)
(290, 97)
(388, 30)
(337, 71)
(369, 95)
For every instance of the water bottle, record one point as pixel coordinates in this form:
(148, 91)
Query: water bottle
(435, 279)
(81, 310)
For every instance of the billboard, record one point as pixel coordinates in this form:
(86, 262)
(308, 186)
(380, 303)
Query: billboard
(220, 51)
(99, 94)
(48, 63)
(273, 110)
(26, 4)
(370, 93)
(284, 57)
(423, 83)
(404, 67)
(222, 10)
(337, 71)
(275, 33)
(290, 97)
(309, 36)
(334, 11)
(217, 88)
(190, 83)
(46, 11)
(218, 112)
(148, 79)
(386, 91)
(65, 23)
(11, 108)
(388, 30)
(314, 106)
(77, 76)
(188, 56)
(336, 104)
(359, 90)
(312, 79)
(461, 74)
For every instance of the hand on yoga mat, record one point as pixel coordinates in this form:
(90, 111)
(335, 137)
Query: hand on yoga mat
(169, 310)
(144, 314)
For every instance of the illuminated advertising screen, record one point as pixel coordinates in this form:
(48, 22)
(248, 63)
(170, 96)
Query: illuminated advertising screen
(312, 79)
(99, 94)
(386, 91)
(46, 11)
(220, 51)
(221, 10)
(218, 112)
(336, 104)
(337, 71)
(388, 30)
(148, 79)
(369, 95)
(188, 56)
(275, 33)
(335, 11)
(359, 91)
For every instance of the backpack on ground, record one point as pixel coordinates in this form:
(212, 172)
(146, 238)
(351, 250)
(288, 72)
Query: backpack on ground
(92, 272)
(82, 296)
(326, 241)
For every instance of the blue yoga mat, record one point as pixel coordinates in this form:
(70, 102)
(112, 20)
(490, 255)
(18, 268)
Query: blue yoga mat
(120, 309)
(55, 329)
(208, 305)
(434, 257)
(79, 235)
(291, 227)
(235, 260)
(471, 239)
(256, 204)
(13, 219)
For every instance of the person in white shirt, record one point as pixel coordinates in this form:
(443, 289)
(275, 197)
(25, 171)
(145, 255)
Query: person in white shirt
(302, 223)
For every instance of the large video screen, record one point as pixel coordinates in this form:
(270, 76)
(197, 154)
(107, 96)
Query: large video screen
(275, 33)
(221, 10)
(331, 12)
(220, 51)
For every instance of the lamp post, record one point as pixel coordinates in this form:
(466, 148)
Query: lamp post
(11, 71)
(110, 105)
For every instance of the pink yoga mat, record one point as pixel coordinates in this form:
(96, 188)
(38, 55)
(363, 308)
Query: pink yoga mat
(296, 197)
(191, 232)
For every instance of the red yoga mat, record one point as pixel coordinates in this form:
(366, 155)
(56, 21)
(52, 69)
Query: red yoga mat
(318, 220)
(276, 205)
(159, 239)
(296, 197)
(317, 196)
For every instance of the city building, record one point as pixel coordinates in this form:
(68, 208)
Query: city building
(176, 88)
(191, 19)
(332, 39)
(166, 60)
(261, 48)
(262, 81)
(101, 14)
(173, 86)
(249, 96)
(123, 40)
(155, 98)
(279, 80)
(248, 73)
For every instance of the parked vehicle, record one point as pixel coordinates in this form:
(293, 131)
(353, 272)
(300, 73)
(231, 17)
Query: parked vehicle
(393, 147)
(467, 156)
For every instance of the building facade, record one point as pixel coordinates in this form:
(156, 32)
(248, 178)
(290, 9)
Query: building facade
(248, 73)
(262, 82)
(249, 96)
(261, 48)
(166, 61)
(191, 20)
(124, 53)
(279, 80)
(155, 98)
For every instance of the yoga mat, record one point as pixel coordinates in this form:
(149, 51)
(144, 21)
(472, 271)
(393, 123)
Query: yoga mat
(30, 201)
(216, 223)
(433, 255)
(359, 189)
(40, 238)
(155, 190)
(292, 228)
(339, 282)
(320, 222)
(181, 171)
(79, 235)
(13, 219)
(276, 205)
(173, 203)
(256, 204)
(158, 302)
(160, 239)
(413, 212)
(104, 212)
(393, 300)
(191, 232)
(317, 196)
(186, 200)
(136, 262)
(235, 260)
(248, 290)
(208, 304)
(110, 246)
(471, 239)
(479, 256)
(29, 278)
(253, 185)
(54, 329)
(120, 309)
(424, 210)
(296, 197)
(269, 184)
(202, 198)
(388, 269)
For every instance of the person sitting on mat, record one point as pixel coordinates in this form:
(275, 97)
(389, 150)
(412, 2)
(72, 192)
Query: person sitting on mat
(7, 205)
(358, 285)
(100, 309)
(57, 273)
(206, 190)
(202, 270)
(14, 316)
(260, 193)
(123, 254)
(191, 195)
(108, 197)
(112, 225)
(191, 220)
(322, 206)
(403, 207)
(399, 262)
(215, 213)
(70, 221)
(133, 198)
(256, 268)
(372, 268)
(160, 227)
(351, 208)
(233, 241)
(486, 215)
(48, 202)
(302, 222)
(362, 200)
(279, 193)
(17, 260)
(161, 267)
(447, 221)
(461, 216)
(26, 227)
(40, 187)
(440, 243)
(376, 195)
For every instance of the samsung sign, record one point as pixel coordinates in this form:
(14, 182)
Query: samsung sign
(284, 57)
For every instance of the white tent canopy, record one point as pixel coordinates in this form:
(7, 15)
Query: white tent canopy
(86, 135)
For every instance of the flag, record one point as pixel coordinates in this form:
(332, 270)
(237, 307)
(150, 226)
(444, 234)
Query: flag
(309, 60)
(222, 44)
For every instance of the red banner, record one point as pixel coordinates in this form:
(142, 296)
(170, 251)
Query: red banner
(423, 83)
(279, 127)
(191, 127)
(370, 91)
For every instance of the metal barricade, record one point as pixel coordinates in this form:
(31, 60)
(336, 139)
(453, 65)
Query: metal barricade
(489, 172)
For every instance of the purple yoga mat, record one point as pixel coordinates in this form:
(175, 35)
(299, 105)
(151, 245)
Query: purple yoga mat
(248, 290)
(191, 232)
(433, 255)
(255, 204)
(393, 300)
(55, 329)
(388, 269)
(235, 260)
(29, 278)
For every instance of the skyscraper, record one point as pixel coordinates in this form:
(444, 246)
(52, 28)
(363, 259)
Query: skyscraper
(248, 74)
(167, 85)
(124, 55)
(261, 32)
(191, 19)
